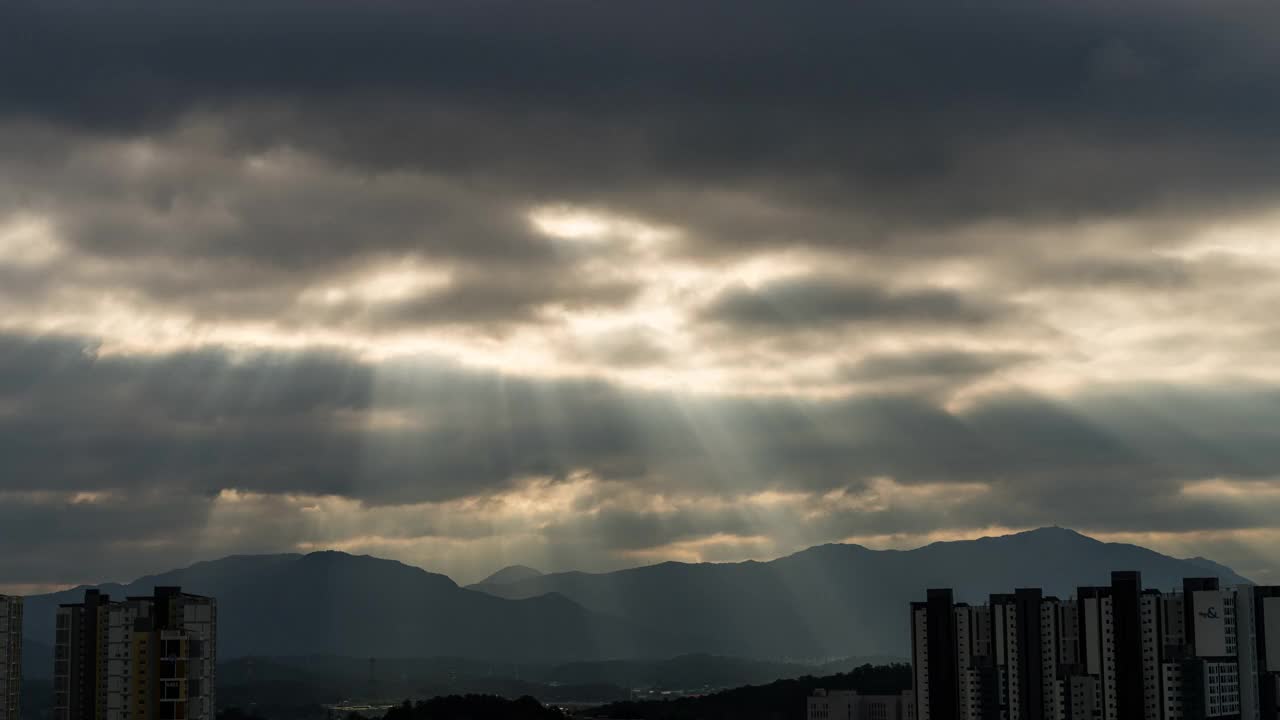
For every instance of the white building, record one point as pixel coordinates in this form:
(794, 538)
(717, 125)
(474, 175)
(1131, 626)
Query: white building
(850, 705)
(142, 658)
(1111, 653)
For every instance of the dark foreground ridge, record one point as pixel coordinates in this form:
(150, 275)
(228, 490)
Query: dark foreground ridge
(448, 707)
(779, 700)
(473, 707)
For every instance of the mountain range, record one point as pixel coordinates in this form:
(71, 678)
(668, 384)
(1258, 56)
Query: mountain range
(844, 599)
(332, 603)
(825, 602)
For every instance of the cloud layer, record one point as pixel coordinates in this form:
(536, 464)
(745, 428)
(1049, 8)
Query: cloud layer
(594, 284)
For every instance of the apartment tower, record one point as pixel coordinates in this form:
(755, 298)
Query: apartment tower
(934, 657)
(1120, 652)
(141, 658)
(10, 656)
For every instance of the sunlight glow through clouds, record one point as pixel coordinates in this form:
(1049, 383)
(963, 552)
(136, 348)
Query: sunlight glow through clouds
(34, 588)
(909, 540)
(566, 222)
(593, 313)
(28, 241)
(391, 282)
(530, 502)
(1073, 338)
(1252, 548)
(720, 547)
(1247, 491)
(1252, 239)
(526, 512)
(885, 493)
(443, 536)
(378, 419)
(60, 497)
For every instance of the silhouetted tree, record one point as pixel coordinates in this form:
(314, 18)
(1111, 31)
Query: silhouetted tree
(779, 700)
(473, 707)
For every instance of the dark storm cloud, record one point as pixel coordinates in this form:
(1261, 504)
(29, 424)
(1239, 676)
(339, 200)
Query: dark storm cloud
(192, 195)
(178, 223)
(285, 174)
(226, 160)
(309, 422)
(1147, 272)
(915, 113)
(630, 347)
(186, 422)
(947, 365)
(207, 420)
(88, 439)
(825, 302)
(490, 298)
(42, 537)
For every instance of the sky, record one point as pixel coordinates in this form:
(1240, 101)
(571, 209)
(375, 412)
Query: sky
(585, 284)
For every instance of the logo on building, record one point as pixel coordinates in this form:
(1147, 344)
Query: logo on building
(1210, 614)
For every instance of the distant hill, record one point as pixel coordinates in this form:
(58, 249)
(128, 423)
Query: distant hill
(339, 604)
(826, 602)
(509, 574)
(1213, 569)
(838, 600)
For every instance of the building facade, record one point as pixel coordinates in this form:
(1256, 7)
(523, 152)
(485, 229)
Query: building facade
(935, 657)
(850, 705)
(1119, 652)
(10, 656)
(141, 658)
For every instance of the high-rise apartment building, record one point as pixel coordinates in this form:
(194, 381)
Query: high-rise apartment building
(141, 658)
(1119, 652)
(10, 656)
(934, 657)
(1262, 624)
(1012, 658)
